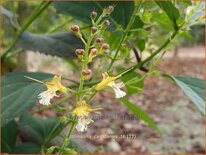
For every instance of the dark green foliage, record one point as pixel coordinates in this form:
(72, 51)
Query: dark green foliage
(20, 93)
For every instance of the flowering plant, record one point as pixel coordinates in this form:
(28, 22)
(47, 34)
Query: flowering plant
(108, 40)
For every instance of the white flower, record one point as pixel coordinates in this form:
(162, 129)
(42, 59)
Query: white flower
(82, 111)
(82, 124)
(118, 92)
(46, 96)
(52, 87)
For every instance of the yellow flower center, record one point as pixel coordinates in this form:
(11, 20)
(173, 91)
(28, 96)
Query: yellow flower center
(56, 85)
(82, 110)
(107, 81)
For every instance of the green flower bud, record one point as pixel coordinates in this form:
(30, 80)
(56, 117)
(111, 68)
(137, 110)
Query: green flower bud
(108, 10)
(80, 53)
(76, 30)
(93, 15)
(86, 74)
(94, 30)
(99, 40)
(103, 48)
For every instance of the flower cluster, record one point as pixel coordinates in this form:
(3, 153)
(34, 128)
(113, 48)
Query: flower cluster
(94, 46)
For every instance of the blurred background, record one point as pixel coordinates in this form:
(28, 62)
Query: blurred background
(117, 130)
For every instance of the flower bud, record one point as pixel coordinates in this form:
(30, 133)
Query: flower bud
(99, 40)
(108, 10)
(106, 23)
(76, 30)
(92, 54)
(79, 53)
(86, 74)
(94, 30)
(103, 48)
(93, 15)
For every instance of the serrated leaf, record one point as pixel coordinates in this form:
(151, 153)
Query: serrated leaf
(38, 130)
(62, 44)
(81, 10)
(8, 137)
(194, 89)
(140, 114)
(19, 93)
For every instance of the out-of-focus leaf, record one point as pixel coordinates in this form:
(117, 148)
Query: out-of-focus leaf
(198, 14)
(193, 88)
(8, 136)
(38, 130)
(81, 10)
(20, 93)
(62, 44)
(133, 81)
(138, 23)
(141, 45)
(170, 10)
(140, 114)
(163, 20)
(27, 148)
(68, 151)
(10, 16)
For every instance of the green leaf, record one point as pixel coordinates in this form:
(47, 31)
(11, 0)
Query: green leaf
(68, 151)
(37, 129)
(140, 114)
(62, 44)
(163, 20)
(27, 148)
(134, 82)
(138, 23)
(141, 45)
(194, 89)
(81, 10)
(20, 93)
(170, 10)
(9, 134)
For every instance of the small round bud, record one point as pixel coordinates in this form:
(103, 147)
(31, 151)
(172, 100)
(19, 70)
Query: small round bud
(105, 46)
(99, 40)
(92, 54)
(93, 15)
(75, 28)
(93, 51)
(86, 73)
(94, 30)
(108, 10)
(106, 23)
(79, 51)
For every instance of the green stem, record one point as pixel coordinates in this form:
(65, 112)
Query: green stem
(66, 142)
(91, 97)
(86, 58)
(125, 35)
(31, 18)
(141, 64)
